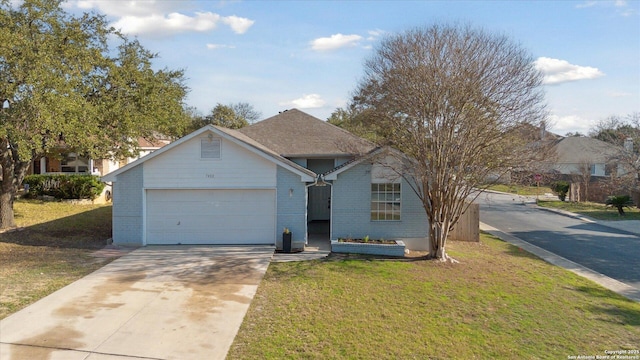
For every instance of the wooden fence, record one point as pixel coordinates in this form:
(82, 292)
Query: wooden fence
(468, 227)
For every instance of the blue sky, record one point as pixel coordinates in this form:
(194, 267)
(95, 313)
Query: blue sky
(279, 55)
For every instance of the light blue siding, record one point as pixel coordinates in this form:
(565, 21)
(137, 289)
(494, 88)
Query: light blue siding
(127, 207)
(351, 209)
(291, 206)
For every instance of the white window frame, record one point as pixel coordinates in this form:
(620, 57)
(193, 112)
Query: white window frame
(74, 158)
(386, 201)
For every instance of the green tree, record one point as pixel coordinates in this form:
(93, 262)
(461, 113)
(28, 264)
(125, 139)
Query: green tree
(357, 122)
(246, 111)
(232, 116)
(223, 115)
(454, 99)
(63, 85)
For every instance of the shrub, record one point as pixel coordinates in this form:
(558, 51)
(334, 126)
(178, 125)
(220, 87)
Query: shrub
(619, 202)
(64, 186)
(561, 188)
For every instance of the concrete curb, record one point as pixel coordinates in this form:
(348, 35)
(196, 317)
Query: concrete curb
(566, 213)
(600, 279)
(585, 218)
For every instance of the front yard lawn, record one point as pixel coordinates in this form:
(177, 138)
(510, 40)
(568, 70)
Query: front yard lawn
(594, 210)
(499, 302)
(50, 251)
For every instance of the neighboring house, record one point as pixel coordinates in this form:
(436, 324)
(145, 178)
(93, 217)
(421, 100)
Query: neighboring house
(222, 186)
(576, 155)
(72, 163)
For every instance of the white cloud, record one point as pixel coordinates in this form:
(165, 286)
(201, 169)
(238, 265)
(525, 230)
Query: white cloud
(557, 71)
(168, 24)
(375, 34)
(569, 123)
(238, 25)
(621, 6)
(309, 101)
(220, 46)
(586, 4)
(160, 18)
(335, 41)
(129, 7)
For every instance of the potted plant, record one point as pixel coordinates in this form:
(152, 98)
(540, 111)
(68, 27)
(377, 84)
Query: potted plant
(286, 240)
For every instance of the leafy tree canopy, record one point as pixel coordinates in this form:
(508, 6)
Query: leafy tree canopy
(63, 83)
(232, 116)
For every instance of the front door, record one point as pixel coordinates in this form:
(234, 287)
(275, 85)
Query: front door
(319, 203)
(319, 207)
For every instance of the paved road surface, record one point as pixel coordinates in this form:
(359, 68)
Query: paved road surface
(611, 252)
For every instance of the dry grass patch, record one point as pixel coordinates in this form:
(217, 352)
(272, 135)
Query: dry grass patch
(51, 250)
(500, 302)
(521, 189)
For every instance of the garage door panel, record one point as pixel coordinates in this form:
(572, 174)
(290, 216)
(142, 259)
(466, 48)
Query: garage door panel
(210, 216)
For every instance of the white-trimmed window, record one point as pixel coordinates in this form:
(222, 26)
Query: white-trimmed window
(210, 148)
(72, 163)
(385, 202)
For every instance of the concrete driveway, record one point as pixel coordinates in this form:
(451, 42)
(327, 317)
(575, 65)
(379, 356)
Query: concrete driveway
(158, 302)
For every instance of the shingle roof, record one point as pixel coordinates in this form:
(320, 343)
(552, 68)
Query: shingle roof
(293, 133)
(579, 149)
(251, 142)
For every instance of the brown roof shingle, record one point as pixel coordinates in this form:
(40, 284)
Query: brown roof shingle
(579, 149)
(293, 133)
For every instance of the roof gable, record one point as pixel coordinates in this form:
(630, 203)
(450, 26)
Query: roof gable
(231, 135)
(374, 156)
(293, 133)
(579, 149)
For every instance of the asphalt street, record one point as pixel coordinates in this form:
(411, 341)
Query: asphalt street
(614, 253)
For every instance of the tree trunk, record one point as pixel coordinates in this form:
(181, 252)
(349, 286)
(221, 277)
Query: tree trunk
(437, 238)
(13, 172)
(6, 211)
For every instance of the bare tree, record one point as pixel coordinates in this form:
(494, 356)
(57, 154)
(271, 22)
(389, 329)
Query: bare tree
(454, 99)
(246, 111)
(580, 180)
(625, 133)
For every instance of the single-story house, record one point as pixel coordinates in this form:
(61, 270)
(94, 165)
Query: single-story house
(575, 155)
(222, 186)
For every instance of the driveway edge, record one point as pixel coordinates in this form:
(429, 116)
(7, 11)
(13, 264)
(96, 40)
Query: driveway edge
(600, 279)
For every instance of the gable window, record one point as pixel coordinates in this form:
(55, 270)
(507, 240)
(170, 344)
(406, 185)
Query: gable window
(385, 202)
(210, 148)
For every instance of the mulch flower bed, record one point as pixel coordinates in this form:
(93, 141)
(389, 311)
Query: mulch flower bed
(368, 241)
